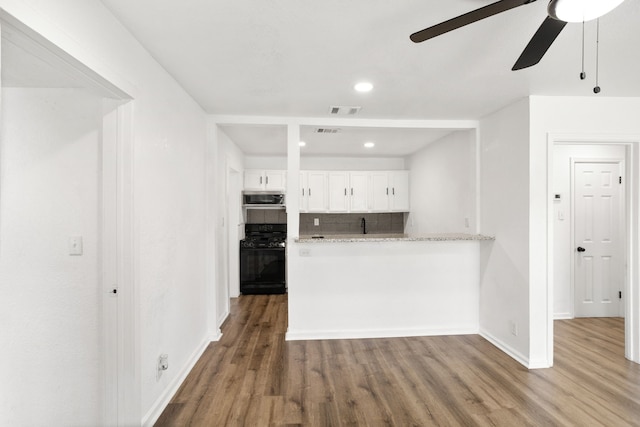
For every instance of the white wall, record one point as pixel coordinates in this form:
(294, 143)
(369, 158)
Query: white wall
(169, 133)
(515, 204)
(351, 163)
(443, 186)
(50, 363)
(504, 213)
(327, 163)
(265, 162)
(563, 246)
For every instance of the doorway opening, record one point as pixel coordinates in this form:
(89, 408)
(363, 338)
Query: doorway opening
(592, 198)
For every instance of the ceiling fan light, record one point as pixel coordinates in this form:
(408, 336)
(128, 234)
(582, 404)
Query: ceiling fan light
(580, 10)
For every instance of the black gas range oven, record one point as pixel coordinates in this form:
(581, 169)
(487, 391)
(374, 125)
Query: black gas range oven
(262, 259)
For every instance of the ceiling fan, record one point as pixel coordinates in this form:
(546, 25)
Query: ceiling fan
(560, 12)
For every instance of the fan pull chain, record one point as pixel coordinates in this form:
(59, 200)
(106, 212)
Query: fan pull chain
(597, 88)
(583, 75)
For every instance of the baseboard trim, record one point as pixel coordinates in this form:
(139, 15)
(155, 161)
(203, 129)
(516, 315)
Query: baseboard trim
(222, 319)
(378, 333)
(513, 353)
(562, 316)
(215, 335)
(161, 403)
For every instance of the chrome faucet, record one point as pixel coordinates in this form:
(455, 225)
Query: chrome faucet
(363, 225)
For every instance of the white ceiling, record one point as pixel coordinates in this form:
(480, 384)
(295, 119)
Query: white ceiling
(298, 57)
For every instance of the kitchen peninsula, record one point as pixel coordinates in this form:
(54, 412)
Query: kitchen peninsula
(370, 286)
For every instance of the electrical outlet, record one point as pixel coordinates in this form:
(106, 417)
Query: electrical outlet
(514, 328)
(316, 221)
(163, 365)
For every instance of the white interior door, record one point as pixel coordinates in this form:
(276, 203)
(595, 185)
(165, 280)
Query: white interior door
(598, 222)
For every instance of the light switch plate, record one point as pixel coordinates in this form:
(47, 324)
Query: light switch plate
(75, 245)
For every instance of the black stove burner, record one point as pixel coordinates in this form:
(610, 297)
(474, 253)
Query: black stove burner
(264, 235)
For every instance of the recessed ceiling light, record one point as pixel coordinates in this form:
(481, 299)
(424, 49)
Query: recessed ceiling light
(363, 87)
(302, 143)
(369, 144)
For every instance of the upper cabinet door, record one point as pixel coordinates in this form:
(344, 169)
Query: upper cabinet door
(253, 180)
(316, 195)
(338, 191)
(274, 180)
(359, 192)
(400, 191)
(304, 199)
(380, 191)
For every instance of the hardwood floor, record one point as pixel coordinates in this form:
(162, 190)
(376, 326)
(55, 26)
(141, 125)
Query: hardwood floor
(253, 377)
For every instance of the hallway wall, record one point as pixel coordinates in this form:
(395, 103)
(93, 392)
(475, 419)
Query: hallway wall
(169, 219)
(50, 363)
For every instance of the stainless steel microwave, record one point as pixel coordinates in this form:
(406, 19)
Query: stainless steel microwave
(263, 199)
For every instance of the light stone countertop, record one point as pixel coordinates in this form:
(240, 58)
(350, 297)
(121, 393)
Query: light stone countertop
(348, 238)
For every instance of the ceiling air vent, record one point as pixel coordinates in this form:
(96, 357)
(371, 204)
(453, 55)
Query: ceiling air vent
(342, 110)
(327, 130)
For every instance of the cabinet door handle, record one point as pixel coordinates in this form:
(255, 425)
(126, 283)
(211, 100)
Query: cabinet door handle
(345, 191)
(393, 191)
(352, 191)
(387, 191)
(267, 180)
(260, 180)
(303, 191)
(309, 192)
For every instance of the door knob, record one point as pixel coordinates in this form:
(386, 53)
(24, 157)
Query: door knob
(581, 249)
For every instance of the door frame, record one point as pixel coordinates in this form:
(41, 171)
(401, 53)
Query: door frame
(127, 337)
(119, 322)
(623, 233)
(632, 224)
(234, 210)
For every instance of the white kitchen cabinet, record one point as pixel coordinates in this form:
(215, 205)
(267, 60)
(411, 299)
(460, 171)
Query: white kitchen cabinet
(379, 191)
(399, 196)
(313, 191)
(303, 204)
(338, 191)
(259, 180)
(348, 191)
(358, 192)
(390, 191)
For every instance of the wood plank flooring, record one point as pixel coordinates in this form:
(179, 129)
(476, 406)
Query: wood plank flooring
(252, 377)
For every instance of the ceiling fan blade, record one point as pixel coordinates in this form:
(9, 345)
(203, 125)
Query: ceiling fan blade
(540, 43)
(466, 19)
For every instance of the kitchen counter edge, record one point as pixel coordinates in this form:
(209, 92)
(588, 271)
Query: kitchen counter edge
(444, 237)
